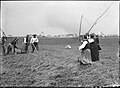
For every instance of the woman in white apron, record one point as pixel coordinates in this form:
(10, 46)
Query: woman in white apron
(85, 51)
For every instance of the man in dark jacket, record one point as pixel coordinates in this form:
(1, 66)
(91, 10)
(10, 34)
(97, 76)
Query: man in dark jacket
(27, 42)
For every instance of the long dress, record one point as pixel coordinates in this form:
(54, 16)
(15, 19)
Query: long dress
(97, 41)
(94, 51)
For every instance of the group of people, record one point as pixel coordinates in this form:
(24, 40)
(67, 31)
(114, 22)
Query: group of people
(89, 49)
(33, 41)
(12, 46)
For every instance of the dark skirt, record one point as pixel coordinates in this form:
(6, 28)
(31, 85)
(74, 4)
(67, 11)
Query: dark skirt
(94, 53)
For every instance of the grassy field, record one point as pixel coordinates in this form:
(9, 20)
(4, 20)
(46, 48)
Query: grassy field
(55, 66)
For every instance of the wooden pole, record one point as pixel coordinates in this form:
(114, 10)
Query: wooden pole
(80, 27)
(99, 18)
(3, 32)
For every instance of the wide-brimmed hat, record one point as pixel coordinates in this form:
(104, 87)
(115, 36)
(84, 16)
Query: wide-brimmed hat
(34, 35)
(92, 35)
(84, 37)
(87, 34)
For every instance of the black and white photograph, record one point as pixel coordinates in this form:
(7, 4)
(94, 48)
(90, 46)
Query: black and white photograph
(59, 43)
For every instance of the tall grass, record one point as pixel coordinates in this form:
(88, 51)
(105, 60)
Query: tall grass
(55, 66)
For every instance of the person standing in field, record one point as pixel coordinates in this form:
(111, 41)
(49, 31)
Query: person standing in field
(26, 41)
(85, 51)
(97, 41)
(4, 39)
(12, 46)
(34, 42)
(94, 49)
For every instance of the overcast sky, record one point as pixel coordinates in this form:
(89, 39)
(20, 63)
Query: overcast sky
(58, 17)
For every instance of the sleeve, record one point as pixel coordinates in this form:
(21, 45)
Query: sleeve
(31, 40)
(36, 39)
(91, 40)
(83, 45)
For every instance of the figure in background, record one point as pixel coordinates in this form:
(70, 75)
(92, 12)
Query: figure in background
(85, 51)
(34, 42)
(97, 41)
(27, 42)
(12, 46)
(4, 39)
(96, 38)
(94, 49)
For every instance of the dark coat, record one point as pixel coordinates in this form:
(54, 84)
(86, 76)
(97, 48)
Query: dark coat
(94, 51)
(97, 41)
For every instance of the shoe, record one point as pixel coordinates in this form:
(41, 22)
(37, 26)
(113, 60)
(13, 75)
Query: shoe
(81, 63)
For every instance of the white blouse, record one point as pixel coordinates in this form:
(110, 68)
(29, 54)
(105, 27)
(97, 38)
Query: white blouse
(85, 43)
(33, 40)
(24, 40)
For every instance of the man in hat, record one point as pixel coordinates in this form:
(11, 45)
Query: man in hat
(34, 42)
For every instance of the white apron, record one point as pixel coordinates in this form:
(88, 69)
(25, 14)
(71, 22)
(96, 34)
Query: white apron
(86, 56)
